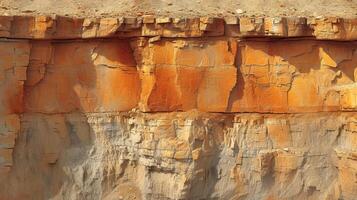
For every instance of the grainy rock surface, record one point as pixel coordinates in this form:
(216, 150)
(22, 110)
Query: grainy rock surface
(157, 107)
(182, 8)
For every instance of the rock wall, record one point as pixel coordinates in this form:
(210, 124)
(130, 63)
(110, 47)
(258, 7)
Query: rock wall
(165, 108)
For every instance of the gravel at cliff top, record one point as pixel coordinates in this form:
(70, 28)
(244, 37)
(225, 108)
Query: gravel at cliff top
(181, 8)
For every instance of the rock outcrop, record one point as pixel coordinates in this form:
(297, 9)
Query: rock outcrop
(175, 108)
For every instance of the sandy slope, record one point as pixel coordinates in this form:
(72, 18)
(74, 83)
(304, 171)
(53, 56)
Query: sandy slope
(341, 8)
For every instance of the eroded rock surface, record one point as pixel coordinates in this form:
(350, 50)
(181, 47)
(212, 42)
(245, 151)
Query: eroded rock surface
(164, 108)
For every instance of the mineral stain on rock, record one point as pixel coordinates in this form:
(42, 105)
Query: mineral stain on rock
(178, 108)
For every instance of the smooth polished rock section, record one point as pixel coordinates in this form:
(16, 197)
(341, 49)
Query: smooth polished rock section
(95, 76)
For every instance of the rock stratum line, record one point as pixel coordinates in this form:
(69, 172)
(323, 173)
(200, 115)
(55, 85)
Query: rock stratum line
(60, 27)
(178, 108)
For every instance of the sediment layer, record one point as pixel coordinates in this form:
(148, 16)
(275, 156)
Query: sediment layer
(166, 108)
(60, 27)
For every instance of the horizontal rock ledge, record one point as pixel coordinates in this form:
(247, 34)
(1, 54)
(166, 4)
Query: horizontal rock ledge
(60, 27)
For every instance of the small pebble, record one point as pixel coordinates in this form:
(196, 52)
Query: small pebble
(239, 11)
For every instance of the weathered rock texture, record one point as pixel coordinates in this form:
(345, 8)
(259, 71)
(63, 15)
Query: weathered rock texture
(166, 108)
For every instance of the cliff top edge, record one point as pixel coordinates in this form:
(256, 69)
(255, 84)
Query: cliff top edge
(181, 8)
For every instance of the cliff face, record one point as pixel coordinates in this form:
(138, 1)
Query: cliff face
(169, 108)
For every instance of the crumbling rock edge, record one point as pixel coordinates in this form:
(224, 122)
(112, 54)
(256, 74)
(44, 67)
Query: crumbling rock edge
(60, 27)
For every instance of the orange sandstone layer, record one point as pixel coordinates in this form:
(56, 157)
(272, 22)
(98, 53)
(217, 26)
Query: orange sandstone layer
(79, 102)
(214, 75)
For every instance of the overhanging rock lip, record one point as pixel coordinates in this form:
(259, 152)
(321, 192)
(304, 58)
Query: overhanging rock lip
(60, 27)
